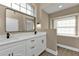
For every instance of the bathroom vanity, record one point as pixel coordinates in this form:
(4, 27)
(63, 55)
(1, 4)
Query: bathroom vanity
(23, 44)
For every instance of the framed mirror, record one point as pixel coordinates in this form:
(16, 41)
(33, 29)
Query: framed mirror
(12, 21)
(17, 21)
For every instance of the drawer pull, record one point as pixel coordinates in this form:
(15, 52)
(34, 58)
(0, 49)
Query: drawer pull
(32, 40)
(42, 41)
(32, 47)
(33, 55)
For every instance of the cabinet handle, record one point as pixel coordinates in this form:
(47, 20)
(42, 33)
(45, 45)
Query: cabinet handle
(32, 47)
(42, 41)
(32, 40)
(8, 54)
(33, 55)
(12, 53)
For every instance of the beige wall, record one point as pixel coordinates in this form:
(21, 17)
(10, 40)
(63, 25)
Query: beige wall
(2, 19)
(78, 24)
(69, 41)
(44, 21)
(52, 39)
(42, 18)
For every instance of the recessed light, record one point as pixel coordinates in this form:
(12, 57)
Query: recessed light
(60, 6)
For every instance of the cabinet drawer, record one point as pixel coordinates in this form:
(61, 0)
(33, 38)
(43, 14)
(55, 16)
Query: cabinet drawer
(31, 51)
(30, 43)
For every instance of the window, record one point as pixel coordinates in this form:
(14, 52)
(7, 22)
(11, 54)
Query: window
(23, 7)
(23, 10)
(66, 26)
(29, 12)
(30, 9)
(15, 6)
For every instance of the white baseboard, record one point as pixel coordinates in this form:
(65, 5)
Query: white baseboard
(51, 51)
(68, 47)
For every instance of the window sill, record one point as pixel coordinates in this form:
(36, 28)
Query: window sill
(69, 36)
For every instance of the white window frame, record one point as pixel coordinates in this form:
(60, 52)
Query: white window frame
(32, 11)
(76, 27)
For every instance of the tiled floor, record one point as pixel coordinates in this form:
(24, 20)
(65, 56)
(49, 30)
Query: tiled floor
(66, 52)
(62, 52)
(45, 53)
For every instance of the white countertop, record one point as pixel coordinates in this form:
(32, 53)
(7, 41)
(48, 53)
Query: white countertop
(19, 37)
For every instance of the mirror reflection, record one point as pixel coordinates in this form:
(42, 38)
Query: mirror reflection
(17, 21)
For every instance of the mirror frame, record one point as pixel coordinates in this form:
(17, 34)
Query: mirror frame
(34, 18)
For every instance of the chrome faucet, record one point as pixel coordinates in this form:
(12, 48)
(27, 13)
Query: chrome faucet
(8, 35)
(35, 32)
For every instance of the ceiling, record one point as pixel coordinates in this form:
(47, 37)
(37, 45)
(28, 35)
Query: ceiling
(54, 7)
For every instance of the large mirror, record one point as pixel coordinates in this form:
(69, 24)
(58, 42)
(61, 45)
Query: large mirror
(29, 23)
(18, 21)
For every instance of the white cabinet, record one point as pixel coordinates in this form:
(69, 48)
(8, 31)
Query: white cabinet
(41, 44)
(28, 47)
(18, 49)
(5, 52)
(36, 46)
(13, 49)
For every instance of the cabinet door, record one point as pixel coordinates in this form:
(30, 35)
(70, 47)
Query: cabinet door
(5, 52)
(31, 51)
(31, 47)
(18, 49)
(41, 44)
(43, 40)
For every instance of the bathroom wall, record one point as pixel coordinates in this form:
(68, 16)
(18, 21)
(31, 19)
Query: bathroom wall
(2, 19)
(69, 41)
(42, 18)
(52, 39)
